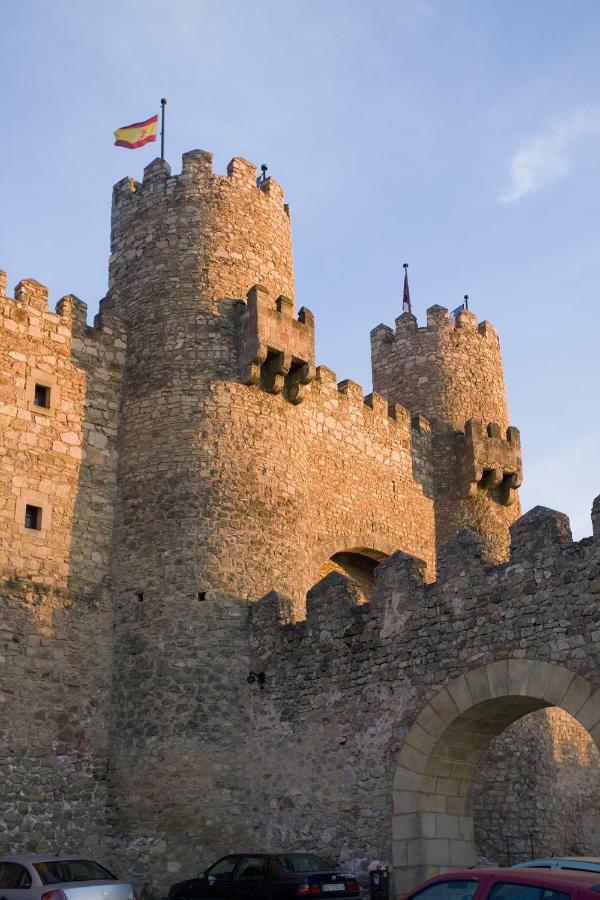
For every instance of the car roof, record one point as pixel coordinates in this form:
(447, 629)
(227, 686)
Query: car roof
(542, 876)
(592, 859)
(271, 853)
(40, 857)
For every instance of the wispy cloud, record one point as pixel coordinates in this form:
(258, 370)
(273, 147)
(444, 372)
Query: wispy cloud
(547, 157)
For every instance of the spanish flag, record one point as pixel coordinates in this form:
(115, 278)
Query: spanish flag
(136, 135)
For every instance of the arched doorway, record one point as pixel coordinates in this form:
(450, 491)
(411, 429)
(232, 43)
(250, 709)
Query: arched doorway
(432, 826)
(358, 564)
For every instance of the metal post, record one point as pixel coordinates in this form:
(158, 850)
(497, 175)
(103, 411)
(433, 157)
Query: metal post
(466, 299)
(163, 103)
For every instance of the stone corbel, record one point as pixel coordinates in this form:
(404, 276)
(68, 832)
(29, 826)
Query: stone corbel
(508, 489)
(275, 371)
(297, 380)
(251, 371)
(473, 476)
(491, 480)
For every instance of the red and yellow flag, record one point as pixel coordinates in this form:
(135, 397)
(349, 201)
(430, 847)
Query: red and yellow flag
(136, 135)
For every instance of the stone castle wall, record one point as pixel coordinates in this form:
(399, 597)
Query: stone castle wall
(331, 731)
(55, 687)
(55, 605)
(191, 459)
(181, 753)
(61, 458)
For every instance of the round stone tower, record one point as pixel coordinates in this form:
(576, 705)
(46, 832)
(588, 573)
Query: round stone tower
(184, 251)
(451, 373)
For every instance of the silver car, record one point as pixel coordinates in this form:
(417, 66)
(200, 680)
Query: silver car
(575, 863)
(46, 876)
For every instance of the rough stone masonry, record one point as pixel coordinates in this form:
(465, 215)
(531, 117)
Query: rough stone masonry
(187, 498)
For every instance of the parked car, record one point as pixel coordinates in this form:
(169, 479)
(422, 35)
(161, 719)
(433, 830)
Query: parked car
(267, 876)
(577, 863)
(509, 884)
(46, 876)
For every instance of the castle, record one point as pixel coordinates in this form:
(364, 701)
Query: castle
(245, 606)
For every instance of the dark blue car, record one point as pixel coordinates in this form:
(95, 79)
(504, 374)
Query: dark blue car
(267, 876)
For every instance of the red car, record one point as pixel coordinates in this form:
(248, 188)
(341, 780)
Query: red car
(510, 884)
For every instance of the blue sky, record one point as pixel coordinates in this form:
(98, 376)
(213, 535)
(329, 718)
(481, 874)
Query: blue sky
(461, 136)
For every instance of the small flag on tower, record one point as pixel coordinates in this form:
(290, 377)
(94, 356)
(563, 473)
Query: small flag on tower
(136, 135)
(406, 307)
(453, 316)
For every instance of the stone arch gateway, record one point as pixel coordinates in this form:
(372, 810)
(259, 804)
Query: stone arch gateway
(432, 807)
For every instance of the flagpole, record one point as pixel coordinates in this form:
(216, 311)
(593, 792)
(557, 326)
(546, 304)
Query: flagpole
(406, 294)
(466, 299)
(163, 103)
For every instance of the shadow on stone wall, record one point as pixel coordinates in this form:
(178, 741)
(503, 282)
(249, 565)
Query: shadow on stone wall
(537, 791)
(53, 720)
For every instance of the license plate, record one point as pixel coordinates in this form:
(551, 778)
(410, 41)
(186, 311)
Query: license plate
(333, 887)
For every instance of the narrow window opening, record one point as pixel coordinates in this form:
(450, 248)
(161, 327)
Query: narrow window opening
(200, 596)
(139, 595)
(41, 396)
(33, 517)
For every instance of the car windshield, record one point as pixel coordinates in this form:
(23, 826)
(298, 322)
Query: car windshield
(304, 862)
(63, 871)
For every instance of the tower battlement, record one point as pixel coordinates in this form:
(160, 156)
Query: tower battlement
(197, 170)
(438, 324)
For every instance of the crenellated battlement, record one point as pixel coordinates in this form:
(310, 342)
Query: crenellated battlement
(403, 598)
(349, 395)
(197, 173)
(438, 324)
(28, 313)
